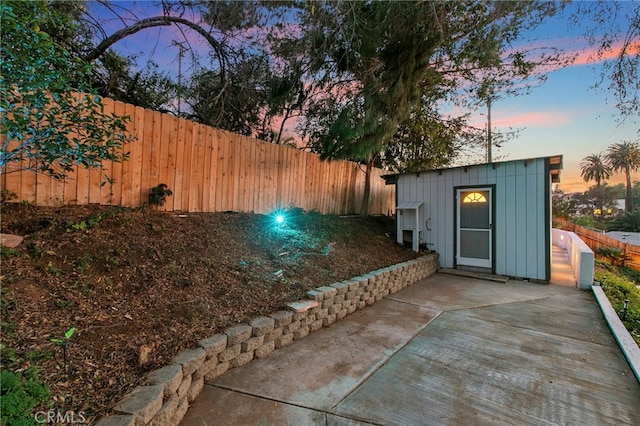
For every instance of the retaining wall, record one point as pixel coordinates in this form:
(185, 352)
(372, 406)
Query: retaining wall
(167, 392)
(581, 256)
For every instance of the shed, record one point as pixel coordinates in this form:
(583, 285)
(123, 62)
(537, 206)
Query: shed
(493, 217)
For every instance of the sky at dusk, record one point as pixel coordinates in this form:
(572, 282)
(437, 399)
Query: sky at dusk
(565, 115)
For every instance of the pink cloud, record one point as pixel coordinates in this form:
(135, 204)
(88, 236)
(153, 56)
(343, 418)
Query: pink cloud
(592, 55)
(528, 119)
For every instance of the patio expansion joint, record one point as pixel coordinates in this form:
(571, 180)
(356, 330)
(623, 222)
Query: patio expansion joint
(292, 404)
(390, 356)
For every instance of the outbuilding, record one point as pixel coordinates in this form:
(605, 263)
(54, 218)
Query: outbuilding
(493, 218)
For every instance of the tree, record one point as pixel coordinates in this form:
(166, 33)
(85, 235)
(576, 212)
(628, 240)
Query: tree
(593, 167)
(376, 62)
(625, 157)
(615, 29)
(50, 127)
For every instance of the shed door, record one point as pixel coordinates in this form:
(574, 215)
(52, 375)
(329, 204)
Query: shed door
(474, 227)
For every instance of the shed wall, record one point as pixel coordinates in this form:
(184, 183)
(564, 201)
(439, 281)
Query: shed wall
(521, 216)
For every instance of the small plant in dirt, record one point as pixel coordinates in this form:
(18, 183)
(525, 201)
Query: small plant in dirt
(158, 195)
(64, 344)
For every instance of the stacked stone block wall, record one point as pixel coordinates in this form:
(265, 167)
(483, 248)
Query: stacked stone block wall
(165, 396)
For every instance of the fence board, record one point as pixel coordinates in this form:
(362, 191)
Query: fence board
(207, 170)
(597, 240)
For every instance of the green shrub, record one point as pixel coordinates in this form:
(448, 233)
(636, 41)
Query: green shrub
(20, 393)
(618, 288)
(158, 195)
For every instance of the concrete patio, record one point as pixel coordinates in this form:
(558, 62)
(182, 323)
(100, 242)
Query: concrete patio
(446, 350)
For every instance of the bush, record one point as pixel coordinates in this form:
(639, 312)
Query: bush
(617, 288)
(20, 393)
(628, 222)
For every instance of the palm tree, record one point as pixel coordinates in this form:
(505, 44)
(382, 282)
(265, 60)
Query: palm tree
(595, 168)
(625, 157)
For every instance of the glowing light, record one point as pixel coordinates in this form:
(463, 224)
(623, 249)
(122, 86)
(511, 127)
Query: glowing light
(279, 218)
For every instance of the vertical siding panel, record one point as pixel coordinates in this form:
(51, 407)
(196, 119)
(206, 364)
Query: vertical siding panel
(125, 182)
(212, 172)
(234, 172)
(199, 170)
(147, 153)
(115, 172)
(170, 136)
(206, 169)
(186, 166)
(249, 175)
(221, 173)
(231, 169)
(135, 148)
(178, 181)
(521, 221)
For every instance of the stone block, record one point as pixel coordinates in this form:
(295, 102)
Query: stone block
(351, 295)
(282, 318)
(314, 295)
(326, 303)
(328, 291)
(329, 320)
(298, 316)
(265, 350)
(341, 288)
(339, 298)
(335, 308)
(341, 314)
(252, 344)
(169, 377)
(241, 359)
(295, 325)
(353, 285)
(273, 335)
(361, 304)
(300, 333)
(143, 403)
(322, 313)
(238, 334)
(117, 421)
(183, 406)
(214, 344)
(230, 353)
(378, 297)
(184, 387)
(167, 411)
(284, 340)
(208, 366)
(190, 360)
(262, 325)
(351, 309)
(315, 326)
(218, 370)
(302, 305)
(195, 389)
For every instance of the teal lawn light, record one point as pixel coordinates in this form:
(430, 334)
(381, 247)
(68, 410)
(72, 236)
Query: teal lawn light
(279, 219)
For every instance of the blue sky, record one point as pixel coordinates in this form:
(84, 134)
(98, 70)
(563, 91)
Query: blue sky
(566, 115)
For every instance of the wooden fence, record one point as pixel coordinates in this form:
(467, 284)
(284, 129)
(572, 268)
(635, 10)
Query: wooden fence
(596, 240)
(207, 170)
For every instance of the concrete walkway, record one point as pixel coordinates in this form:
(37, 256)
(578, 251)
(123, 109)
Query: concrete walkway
(447, 350)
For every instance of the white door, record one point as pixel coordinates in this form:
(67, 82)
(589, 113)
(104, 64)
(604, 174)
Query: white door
(474, 227)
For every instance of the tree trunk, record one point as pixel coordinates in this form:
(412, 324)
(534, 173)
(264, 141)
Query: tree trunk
(364, 209)
(628, 204)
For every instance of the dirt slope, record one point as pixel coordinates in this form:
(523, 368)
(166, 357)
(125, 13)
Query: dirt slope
(141, 285)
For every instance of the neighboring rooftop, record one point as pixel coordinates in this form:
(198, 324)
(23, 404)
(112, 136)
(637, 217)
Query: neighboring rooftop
(625, 237)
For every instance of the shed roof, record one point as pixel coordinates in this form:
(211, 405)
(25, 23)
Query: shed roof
(555, 165)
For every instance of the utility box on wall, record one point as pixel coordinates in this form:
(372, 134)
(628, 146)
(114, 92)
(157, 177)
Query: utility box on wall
(408, 223)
